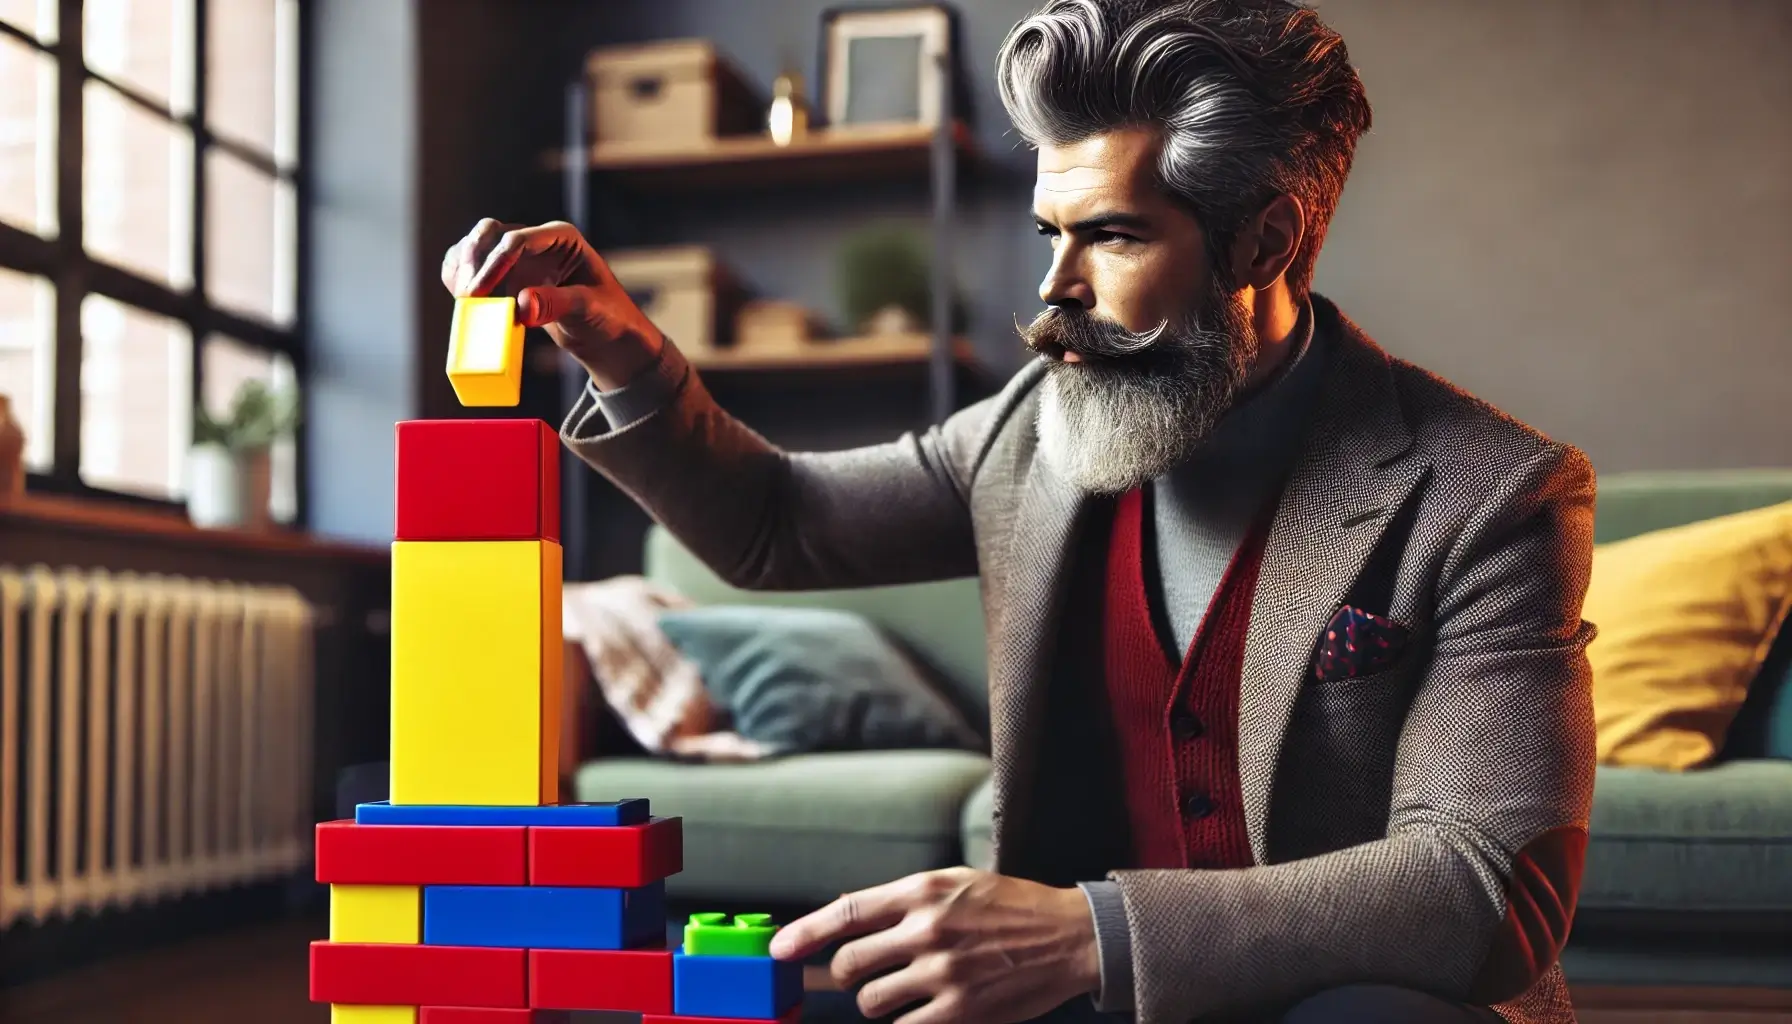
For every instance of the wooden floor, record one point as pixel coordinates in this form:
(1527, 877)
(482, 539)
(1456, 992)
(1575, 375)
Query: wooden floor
(259, 977)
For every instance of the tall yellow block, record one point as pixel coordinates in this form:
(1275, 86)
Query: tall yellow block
(476, 666)
(376, 913)
(344, 1014)
(485, 351)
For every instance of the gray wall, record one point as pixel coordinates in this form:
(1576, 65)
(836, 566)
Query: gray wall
(361, 294)
(1582, 211)
(1578, 209)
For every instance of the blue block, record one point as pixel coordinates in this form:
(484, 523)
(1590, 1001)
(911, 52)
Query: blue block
(754, 987)
(543, 917)
(619, 812)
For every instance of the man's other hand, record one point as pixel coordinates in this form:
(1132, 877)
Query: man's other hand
(562, 284)
(958, 945)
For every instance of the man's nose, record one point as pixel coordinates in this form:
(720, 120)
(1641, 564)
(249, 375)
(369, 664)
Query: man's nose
(1064, 285)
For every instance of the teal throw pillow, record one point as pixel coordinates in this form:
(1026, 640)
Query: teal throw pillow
(810, 679)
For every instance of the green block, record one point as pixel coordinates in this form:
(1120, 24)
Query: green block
(715, 935)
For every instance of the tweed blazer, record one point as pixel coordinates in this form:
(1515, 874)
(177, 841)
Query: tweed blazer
(1423, 825)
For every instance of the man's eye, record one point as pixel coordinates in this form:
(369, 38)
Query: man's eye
(1112, 237)
(1048, 232)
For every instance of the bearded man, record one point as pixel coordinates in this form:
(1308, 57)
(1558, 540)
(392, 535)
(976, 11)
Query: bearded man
(1289, 700)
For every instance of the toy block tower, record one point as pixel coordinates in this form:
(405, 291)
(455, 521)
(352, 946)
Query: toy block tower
(474, 895)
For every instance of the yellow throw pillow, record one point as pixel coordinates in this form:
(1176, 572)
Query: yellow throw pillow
(1686, 616)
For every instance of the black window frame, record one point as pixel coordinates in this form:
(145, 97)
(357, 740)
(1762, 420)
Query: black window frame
(75, 274)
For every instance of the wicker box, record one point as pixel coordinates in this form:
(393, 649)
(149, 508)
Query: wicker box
(685, 290)
(678, 92)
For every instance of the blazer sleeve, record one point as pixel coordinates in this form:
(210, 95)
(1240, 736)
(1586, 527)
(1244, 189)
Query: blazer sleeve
(1471, 892)
(766, 519)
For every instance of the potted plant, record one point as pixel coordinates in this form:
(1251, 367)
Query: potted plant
(228, 470)
(885, 282)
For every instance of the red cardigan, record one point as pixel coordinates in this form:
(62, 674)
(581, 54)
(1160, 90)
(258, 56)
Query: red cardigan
(1177, 723)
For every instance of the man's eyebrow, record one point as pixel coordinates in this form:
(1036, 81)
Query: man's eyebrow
(1099, 222)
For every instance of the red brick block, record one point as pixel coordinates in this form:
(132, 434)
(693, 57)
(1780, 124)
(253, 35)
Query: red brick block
(352, 854)
(626, 980)
(489, 1015)
(620, 857)
(407, 975)
(478, 480)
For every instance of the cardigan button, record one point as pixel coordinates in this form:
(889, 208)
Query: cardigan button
(1184, 725)
(1197, 805)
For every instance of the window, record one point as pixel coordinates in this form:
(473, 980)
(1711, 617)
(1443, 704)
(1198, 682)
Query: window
(149, 196)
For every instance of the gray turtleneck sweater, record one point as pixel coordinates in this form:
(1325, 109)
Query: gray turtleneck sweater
(1201, 512)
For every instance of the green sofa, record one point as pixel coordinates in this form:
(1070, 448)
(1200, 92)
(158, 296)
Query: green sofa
(1688, 879)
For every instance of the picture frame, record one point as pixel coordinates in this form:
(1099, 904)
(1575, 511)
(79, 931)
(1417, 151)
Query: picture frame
(879, 64)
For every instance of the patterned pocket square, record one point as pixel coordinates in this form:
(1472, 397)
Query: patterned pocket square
(1357, 643)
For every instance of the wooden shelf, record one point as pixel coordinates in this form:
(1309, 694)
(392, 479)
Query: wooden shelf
(834, 354)
(842, 154)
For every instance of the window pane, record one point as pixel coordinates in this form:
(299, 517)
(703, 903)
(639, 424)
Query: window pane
(251, 84)
(27, 136)
(144, 44)
(229, 364)
(136, 398)
(28, 362)
(138, 189)
(37, 17)
(249, 239)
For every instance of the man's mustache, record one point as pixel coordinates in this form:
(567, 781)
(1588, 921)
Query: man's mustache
(1060, 329)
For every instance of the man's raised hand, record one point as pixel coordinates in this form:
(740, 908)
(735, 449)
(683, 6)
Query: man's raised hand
(562, 284)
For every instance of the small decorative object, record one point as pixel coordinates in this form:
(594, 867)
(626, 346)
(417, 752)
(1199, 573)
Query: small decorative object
(229, 474)
(767, 325)
(789, 117)
(674, 93)
(12, 452)
(884, 281)
(882, 65)
(688, 293)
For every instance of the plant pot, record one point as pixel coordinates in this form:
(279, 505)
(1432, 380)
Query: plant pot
(214, 487)
(227, 489)
(12, 452)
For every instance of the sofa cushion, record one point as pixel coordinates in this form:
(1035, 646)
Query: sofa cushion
(1712, 848)
(941, 623)
(977, 829)
(1686, 618)
(803, 680)
(801, 829)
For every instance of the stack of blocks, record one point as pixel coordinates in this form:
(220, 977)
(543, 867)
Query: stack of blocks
(473, 895)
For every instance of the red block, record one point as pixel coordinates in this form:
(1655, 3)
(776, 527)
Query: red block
(791, 1016)
(407, 975)
(489, 1015)
(353, 854)
(478, 480)
(629, 980)
(620, 857)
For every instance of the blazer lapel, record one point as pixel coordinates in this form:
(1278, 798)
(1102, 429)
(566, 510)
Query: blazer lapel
(1026, 616)
(1347, 484)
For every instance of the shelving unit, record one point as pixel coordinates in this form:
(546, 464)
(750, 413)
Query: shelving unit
(865, 153)
(856, 154)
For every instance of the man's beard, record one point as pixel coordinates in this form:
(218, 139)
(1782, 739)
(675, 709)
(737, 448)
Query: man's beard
(1138, 403)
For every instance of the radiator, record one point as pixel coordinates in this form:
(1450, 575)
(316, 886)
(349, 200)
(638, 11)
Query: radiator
(155, 738)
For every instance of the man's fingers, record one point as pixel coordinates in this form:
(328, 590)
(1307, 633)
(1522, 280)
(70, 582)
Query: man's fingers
(879, 951)
(542, 306)
(855, 913)
(501, 252)
(883, 996)
(463, 260)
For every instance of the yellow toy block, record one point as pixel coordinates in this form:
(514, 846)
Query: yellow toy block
(341, 1013)
(376, 913)
(475, 672)
(485, 352)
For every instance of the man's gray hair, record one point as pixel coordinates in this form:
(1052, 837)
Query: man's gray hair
(1254, 98)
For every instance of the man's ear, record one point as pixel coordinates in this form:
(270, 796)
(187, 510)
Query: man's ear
(1268, 242)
